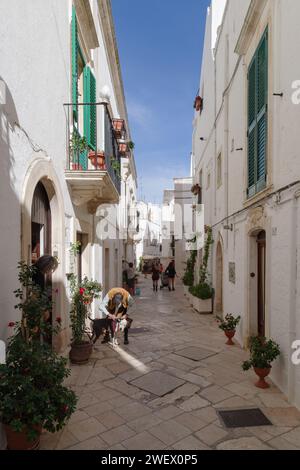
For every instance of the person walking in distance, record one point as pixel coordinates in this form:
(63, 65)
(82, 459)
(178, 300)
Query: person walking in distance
(171, 272)
(130, 278)
(155, 276)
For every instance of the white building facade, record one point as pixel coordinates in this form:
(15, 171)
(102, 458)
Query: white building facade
(245, 159)
(62, 163)
(148, 238)
(167, 227)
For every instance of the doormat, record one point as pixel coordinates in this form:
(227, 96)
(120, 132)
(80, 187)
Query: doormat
(244, 418)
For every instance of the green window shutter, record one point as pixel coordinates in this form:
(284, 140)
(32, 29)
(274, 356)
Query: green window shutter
(262, 74)
(74, 64)
(261, 150)
(258, 118)
(251, 93)
(251, 161)
(90, 111)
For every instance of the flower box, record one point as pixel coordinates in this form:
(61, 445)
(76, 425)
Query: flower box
(198, 103)
(202, 306)
(123, 148)
(97, 160)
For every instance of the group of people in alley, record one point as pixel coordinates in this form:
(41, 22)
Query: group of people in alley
(158, 273)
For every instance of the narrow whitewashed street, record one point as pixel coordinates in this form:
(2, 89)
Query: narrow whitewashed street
(150, 395)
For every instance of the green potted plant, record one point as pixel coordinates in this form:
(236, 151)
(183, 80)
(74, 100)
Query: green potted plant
(203, 292)
(116, 166)
(83, 294)
(228, 325)
(78, 145)
(262, 353)
(131, 145)
(32, 394)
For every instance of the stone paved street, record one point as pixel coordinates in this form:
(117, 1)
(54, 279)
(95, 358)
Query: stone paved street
(153, 395)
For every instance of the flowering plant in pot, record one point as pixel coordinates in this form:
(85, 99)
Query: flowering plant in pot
(83, 293)
(228, 325)
(32, 394)
(262, 353)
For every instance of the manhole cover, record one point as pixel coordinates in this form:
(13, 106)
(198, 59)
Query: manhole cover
(196, 354)
(244, 418)
(135, 331)
(157, 383)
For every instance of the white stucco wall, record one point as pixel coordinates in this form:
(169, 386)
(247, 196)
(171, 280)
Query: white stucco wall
(225, 104)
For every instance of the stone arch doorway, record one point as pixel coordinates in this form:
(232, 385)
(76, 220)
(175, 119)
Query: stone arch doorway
(43, 204)
(219, 279)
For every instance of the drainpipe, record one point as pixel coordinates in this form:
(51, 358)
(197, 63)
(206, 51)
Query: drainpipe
(293, 294)
(226, 136)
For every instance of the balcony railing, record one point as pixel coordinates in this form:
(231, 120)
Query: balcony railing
(87, 148)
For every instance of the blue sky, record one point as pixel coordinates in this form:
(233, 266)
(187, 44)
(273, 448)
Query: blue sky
(160, 45)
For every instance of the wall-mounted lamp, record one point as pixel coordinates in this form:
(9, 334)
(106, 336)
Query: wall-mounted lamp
(203, 139)
(278, 94)
(228, 227)
(239, 150)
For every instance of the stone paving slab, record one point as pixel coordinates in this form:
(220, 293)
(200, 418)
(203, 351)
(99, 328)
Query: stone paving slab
(158, 383)
(196, 354)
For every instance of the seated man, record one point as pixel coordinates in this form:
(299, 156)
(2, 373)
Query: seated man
(114, 307)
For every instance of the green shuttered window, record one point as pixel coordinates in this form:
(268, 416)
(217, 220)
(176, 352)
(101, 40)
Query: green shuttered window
(90, 111)
(258, 118)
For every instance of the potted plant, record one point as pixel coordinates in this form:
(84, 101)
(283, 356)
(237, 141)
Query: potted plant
(196, 189)
(119, 127)
(198, 103)
(32, 394)
(131, 145)
(188, 277)
(97, 159)
(228, 325)
(262, 353)
(78, 145)
(203, 292)
(82, 294)
(116, 165)
(123, 148)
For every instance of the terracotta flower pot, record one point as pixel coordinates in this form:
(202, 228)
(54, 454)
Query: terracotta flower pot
(80, 353)
(19, 440)
(230, 334)
(262, 373)
(97, 160)
(198, 103)
(76, 166)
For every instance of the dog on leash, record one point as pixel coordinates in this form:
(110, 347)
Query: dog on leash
(101, 326)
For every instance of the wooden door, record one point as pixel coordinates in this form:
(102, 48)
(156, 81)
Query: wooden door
(261, 282)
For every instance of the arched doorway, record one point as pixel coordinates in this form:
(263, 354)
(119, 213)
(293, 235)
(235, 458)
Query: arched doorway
(219, 279)
(40, 223)
(41, 240)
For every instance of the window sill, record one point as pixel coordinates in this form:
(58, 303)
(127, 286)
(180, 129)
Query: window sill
(258, 196)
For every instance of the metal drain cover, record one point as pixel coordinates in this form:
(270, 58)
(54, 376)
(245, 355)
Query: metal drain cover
(244, 418)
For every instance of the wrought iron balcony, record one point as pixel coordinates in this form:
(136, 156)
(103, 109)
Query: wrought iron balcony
(93, 170)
